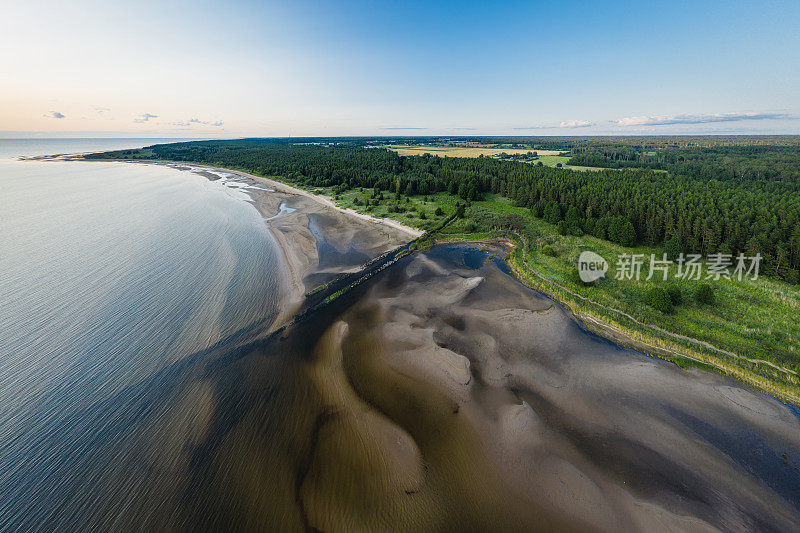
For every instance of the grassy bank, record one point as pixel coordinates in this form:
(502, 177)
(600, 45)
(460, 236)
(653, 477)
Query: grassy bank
(750, 332)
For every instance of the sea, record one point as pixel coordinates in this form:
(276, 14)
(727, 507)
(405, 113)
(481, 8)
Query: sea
(111, 275)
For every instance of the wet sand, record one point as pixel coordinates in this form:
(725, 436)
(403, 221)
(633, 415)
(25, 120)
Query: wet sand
(443, 395)
(570, 422)
(317, 239)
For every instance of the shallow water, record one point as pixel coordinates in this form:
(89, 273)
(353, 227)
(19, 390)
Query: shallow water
(443, 394)
(112, 276)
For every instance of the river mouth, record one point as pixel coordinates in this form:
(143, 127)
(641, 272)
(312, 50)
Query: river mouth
(443, 394)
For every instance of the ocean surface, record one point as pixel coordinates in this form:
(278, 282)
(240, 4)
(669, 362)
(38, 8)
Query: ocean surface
(14, 148)
(110, 273)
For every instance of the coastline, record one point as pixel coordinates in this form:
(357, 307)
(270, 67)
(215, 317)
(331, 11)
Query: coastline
(287, 211)
(279, 186)
(296, 246)
(322, 199)
(351, 239)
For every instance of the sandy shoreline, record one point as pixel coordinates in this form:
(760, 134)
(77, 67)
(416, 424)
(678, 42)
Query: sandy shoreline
(351, 239)
(302, 224)
(274, 184)
(322, 199)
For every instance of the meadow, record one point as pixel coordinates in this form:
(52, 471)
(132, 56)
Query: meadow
(464, 151)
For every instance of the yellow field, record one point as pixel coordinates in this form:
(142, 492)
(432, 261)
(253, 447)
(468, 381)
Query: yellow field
(459, 151)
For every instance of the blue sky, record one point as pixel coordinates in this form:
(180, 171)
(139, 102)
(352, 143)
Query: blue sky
(297, 68)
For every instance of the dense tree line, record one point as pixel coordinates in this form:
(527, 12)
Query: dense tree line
(721, 163)
(700, 214)
(640, 143)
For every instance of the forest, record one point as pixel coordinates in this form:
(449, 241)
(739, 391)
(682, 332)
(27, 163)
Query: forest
(695, 200)
(781, 163)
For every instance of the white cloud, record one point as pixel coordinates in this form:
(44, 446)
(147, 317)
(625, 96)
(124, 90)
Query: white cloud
(576, 124)
(663, 120)
(54, 114)
(194, 120)
(562, 124)
(144, 117)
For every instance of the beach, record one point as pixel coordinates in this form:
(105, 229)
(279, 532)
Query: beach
(318, 240)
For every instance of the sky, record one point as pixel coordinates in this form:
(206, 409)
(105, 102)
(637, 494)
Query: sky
(243, 68)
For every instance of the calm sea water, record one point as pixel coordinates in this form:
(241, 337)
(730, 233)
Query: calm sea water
(13, 148)
(110, 275)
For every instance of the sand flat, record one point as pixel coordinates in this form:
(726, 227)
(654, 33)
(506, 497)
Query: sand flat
(574, 426)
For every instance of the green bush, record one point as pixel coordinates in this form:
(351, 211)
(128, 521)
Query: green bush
(704, 294)
(659, 299)
(575, 276)
(675, 294)
(548, 250)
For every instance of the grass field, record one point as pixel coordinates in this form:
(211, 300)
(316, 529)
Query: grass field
(405, 210)
(548, 158)
(552, 160)
(459, 151)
